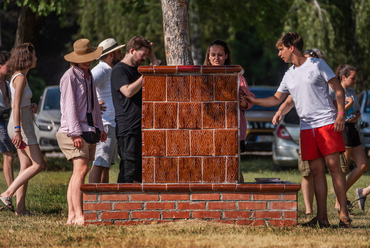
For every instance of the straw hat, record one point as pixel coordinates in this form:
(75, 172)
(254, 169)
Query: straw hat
(109, 45)
(83, 52)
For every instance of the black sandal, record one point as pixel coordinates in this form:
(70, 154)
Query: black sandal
(314, 223)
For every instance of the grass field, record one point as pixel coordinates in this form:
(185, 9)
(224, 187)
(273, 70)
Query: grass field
(46, 199)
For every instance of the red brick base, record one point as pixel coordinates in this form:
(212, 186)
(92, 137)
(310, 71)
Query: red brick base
(126, 204)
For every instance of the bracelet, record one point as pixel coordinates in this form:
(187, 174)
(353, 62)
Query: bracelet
(17, 127)
(340, 113)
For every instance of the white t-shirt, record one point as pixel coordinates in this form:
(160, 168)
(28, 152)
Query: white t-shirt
(101, 74)
(307, 84)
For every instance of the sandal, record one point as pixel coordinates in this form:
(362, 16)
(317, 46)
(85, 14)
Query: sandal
(7, 201)
(314, 223)
(345, 223)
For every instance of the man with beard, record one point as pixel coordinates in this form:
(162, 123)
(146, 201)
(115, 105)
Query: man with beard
(126, 83)
(106, 152)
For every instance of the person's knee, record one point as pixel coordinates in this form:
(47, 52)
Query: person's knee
(364, 167)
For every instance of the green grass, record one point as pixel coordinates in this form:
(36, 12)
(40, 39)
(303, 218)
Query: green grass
(46, 199)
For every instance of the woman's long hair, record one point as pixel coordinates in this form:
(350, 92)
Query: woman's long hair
(21, 57)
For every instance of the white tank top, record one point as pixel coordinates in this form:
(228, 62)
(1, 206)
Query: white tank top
(27, 93)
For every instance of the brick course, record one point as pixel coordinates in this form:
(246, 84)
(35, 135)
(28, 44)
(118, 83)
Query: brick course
(190, 158)
(142, 206)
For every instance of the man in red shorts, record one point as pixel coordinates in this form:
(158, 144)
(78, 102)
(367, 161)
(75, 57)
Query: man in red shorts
(321, 125)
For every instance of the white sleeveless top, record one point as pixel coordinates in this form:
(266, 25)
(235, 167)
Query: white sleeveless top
(27, 93)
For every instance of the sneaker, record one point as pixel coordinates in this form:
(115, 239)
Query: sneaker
(361, 199)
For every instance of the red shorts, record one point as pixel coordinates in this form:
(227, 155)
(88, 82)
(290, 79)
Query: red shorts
(320, 142)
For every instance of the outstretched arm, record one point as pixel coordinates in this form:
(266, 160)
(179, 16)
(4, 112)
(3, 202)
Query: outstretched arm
(268, 101)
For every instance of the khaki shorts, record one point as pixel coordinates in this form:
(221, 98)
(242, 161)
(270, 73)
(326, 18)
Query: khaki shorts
(66, 145)
(26, 123)
(304, 167)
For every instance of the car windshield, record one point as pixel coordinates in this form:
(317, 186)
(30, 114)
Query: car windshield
(52, 99)
(263, 93)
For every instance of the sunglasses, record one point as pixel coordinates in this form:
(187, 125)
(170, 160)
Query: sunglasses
(311, 53)
(29, 47)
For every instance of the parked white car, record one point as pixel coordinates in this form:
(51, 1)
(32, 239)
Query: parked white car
(285, 145)
(47, 119)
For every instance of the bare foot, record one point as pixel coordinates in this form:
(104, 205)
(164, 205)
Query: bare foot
(24, 213)
(70, 221)
(79, 221)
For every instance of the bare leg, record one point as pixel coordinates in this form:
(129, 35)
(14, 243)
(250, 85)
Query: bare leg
(71, 214)
(317, 167)
(359, 157)
(80, 169)
(105, 175)
(95, 174)
(308, 193)
(348, 155)
(33, 153)
(8, 167)
(25, 162)
(339, 183)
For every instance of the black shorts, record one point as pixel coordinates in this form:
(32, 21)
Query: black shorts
(351, 136)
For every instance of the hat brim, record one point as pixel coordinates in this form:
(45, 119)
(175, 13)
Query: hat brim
(112, 50)
(73, 57)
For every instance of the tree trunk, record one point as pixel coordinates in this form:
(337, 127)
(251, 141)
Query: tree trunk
(195, 38)
(28, 25)
(176, 32)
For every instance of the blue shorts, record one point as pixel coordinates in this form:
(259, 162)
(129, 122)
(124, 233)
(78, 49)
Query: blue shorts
(6, 144)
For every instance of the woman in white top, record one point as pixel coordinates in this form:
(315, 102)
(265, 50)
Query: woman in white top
(20, 127)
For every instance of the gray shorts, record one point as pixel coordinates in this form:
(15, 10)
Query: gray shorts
(304, 167)
(106, 152)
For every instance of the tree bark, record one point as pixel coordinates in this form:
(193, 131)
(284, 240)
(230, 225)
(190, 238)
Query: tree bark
(28, 25)
(176, 32)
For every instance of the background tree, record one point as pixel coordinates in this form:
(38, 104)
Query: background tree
(121, 20)
(339, 28)
(48, 25)
(176, 32)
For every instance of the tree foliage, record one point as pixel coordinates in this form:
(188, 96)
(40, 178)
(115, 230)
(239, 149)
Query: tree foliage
(44, 8)
(122, 19)
(338, 28)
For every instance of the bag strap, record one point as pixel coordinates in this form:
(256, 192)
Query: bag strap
(7, 92)
(92, 95)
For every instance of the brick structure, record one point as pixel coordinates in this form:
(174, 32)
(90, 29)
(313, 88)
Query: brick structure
(190, 158)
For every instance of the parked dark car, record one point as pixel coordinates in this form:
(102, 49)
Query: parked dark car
(363, 122)
(47, 121)
(259, 126)
(285, 146)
